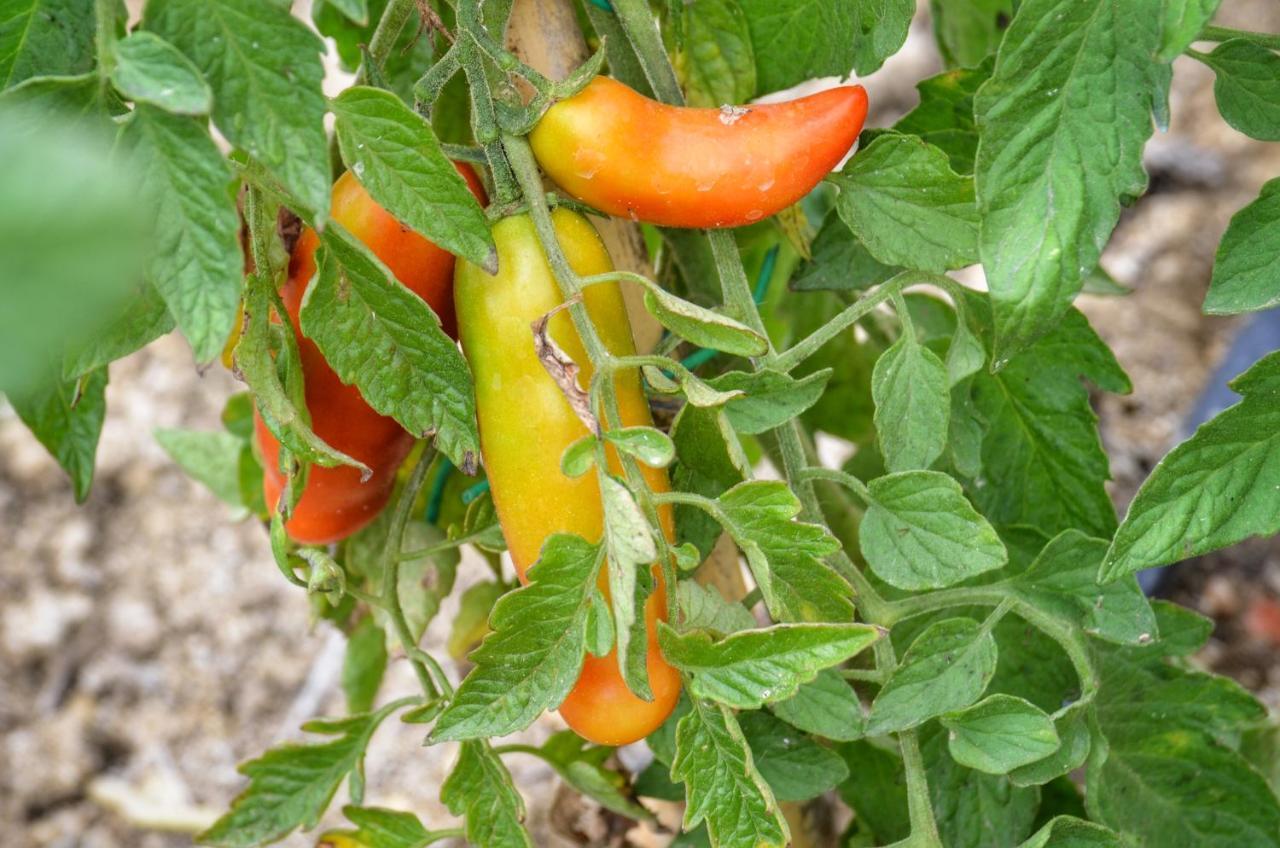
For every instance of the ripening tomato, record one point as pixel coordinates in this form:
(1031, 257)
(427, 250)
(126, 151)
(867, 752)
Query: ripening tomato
(526, 423)
(674, 166)
(335, 503)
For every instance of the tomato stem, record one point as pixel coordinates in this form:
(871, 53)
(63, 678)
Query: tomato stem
(391, 578)
(392, 22)
(105, 19)
(1219, 33)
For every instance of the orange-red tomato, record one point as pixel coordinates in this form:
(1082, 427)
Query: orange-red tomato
(628, 155)
(526, 423)
(335, 503)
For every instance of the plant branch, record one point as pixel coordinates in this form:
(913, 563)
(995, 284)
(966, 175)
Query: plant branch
(105, 37)
(924, 829)
(385, 34)
(1219, 33)
(391, 572)
(851, 315)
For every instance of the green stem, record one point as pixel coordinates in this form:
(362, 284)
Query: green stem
(867, 675)
(997, 595)
(105, 37)
(391, 571)
(641, 28)
(844, 478)
(852, 314)
(1218, 33)
(924, 829)
(390, 25)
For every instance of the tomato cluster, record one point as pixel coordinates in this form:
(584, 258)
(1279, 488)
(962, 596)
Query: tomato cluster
(695, 168)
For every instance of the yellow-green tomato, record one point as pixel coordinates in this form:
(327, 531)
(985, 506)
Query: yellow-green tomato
(526, 423)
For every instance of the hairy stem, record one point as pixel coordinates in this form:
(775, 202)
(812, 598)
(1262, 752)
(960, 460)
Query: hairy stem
(389, 27)
(1219, 33)
(391, 573)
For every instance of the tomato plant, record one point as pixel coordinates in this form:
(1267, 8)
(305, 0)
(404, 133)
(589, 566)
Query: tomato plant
(939, 637)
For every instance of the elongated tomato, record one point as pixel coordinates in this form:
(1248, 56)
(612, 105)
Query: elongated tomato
(526, 423)
(628, 155)
(335, 502)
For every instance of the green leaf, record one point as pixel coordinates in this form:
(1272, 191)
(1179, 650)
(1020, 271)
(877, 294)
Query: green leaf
(212, 458)
(197, 263)
(1042, 461)
(972, 809)
(717, 64)
(965, 354)
(44, 38)
(1244, 278)
(1246, 86)
(1000, 733)
(629, 543)
(796, 40)
(580, 766)
(397, 158)
(471, 623)
(919, 532)
(705, 467)
(1219, 487)
(37, 100)
(903, 201)
(149, 69)
(751, 668)
(795, 767)
(876, 790)
(722, 786)
(143, 319)
(73, 236)
(1182, 22)
(1068, 832)
(968, 31)
(383, 828)
(946, 668)
(703, 608)
(264, 67)
(383, 338)
(1072, 727)
(785, 556)
(944, 116)
(579, 457)
(279, 399)
(1100, 282)
(1142, 694)
(290, 786)
(533, 657)
(770, 398)
(479, 789)
(647, 444)
(841, 262)
(1182, 632)
(1064, 119)
(357, 11)
(364, 665)
(1170, 735)
(1171, 789)
(702, 326)
(913, 404)
(1063, 582)
(825, 706)
(66, 416)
